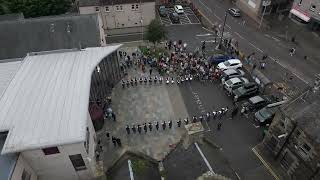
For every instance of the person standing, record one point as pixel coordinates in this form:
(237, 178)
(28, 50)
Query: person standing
(145, 128)
(292, 51)
(186, 120)
(150, 126)
(164, 125)
(128, 129)
(157, 125)
(234, 112)
(219, 126)
(133, 128)
(114, 141)
(150, 71)
(200, 118)
(108, 135)
(179, 122)
(119, 142)
(113, 115)
(170, 124)
(139, 128)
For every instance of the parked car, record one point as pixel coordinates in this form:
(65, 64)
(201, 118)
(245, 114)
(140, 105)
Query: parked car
(178, 9)
(219, 58)
(256, 102)
(175, 18)
(230, 64)
(234, 12)
(163, 11)
(265, 115)
(246, 90)
(234, 83)
(231, 73)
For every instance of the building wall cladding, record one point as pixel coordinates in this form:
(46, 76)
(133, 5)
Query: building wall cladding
(306, 6)
(293, 158)
(123, 15)
(104, 79)
(250, 7)
(21, 166)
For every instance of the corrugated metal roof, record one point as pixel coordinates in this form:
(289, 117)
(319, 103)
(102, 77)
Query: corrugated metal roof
(46, 103)
(7, 71)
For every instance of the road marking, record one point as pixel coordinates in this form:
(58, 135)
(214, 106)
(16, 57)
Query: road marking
(207, 29)
(205, 6)
(255, 47)
(267, 35)
(276, 39)
(239, 35)
(217, 17)
(265, 164)
(204, 158)
(208, 34)
(228, 26)
(130, 169)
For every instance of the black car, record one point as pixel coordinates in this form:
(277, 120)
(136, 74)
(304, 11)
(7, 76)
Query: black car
(247, 90)
(175, 18)
(163, 11)
(255, 103)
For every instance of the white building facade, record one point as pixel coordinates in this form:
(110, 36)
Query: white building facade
(45, 115)
(120, 14)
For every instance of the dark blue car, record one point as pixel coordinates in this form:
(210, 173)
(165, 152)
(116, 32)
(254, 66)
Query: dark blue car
(216, 59)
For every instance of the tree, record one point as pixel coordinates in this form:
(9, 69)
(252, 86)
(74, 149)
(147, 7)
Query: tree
(35, 8)
(156, 32)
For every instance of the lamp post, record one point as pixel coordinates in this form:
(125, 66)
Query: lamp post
(141, 29)
(264, 4)
(224, 23)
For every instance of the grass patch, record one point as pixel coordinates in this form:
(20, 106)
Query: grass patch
(140, 166)
(153, 52)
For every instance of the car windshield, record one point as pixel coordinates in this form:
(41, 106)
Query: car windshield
(265, 113)
(162, 7)
(226, 63)
(229, 83)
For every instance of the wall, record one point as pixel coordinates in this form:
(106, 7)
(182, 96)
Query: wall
(247, 6)
(125, 18)
(59, 166)
(102, 34)
(20, 166)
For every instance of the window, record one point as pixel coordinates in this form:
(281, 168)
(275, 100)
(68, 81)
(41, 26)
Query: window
(132, 7)
(300, 2)
(25, 175)
(77, 162)
(312, 7)
(119, 8)
(97, 9)
(137, 6)
(107, 9)
(51, 150)
(306, 148)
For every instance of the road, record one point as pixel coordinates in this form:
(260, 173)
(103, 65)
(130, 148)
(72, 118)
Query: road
(252, 40)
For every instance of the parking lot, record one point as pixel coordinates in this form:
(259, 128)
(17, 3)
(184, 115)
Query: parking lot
(188, 17)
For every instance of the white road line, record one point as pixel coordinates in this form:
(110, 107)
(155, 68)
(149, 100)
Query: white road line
(200, 35)
(130, 169)
(239, 35)
(276, 39)
(228, 26)
(204, 158)
(255, 47)
(217, 17)
(207, 29)
(129, 34)
(205, 6)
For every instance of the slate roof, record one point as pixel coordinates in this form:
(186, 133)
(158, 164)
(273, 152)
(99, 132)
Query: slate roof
(306, 111)
(109, 2)
(18, 37)
(46, 102)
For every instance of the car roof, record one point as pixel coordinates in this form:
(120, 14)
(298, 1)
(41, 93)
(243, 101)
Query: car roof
(179, 6)
(162, 7)
(256, 99)
(234, 61)
(234, 80)
(245, 80)
(229, 71)
(174, 14)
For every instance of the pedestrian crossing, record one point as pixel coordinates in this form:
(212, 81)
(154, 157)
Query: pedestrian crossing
(184, 18)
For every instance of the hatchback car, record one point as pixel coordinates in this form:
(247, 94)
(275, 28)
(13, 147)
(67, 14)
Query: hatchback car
(174, 18)
(230, 64)
(234, 12)
(246, 90)
(265, 115)
(163, 11)
(234, 83)
(255, 103)
(178, 9)
(231, 73)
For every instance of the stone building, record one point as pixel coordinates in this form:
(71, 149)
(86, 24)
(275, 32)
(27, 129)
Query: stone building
(307, 11)
(294, 137)
(119, 14)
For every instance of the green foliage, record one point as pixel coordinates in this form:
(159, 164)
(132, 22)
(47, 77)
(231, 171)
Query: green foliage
(139, 166)
(35, 8)
(156, 31)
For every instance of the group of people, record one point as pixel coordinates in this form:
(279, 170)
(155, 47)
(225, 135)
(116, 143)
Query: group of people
(157, 126)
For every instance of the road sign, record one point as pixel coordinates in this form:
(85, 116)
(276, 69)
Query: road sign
(266, 3)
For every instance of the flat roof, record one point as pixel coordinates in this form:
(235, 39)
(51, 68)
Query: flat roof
(46, 102)
(7, 72)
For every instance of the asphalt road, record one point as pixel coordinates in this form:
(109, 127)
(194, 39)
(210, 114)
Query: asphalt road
(253, 40)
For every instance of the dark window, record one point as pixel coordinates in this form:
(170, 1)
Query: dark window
(137, 6)
(97, 9)
(25, 175)
(107, 9)
(312, 7)
(306, 147)
(77, 162)
(300, 2)
(51, 150)
(132, 6)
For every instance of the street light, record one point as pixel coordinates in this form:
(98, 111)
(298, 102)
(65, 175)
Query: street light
(224, 23)
(142, 28)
